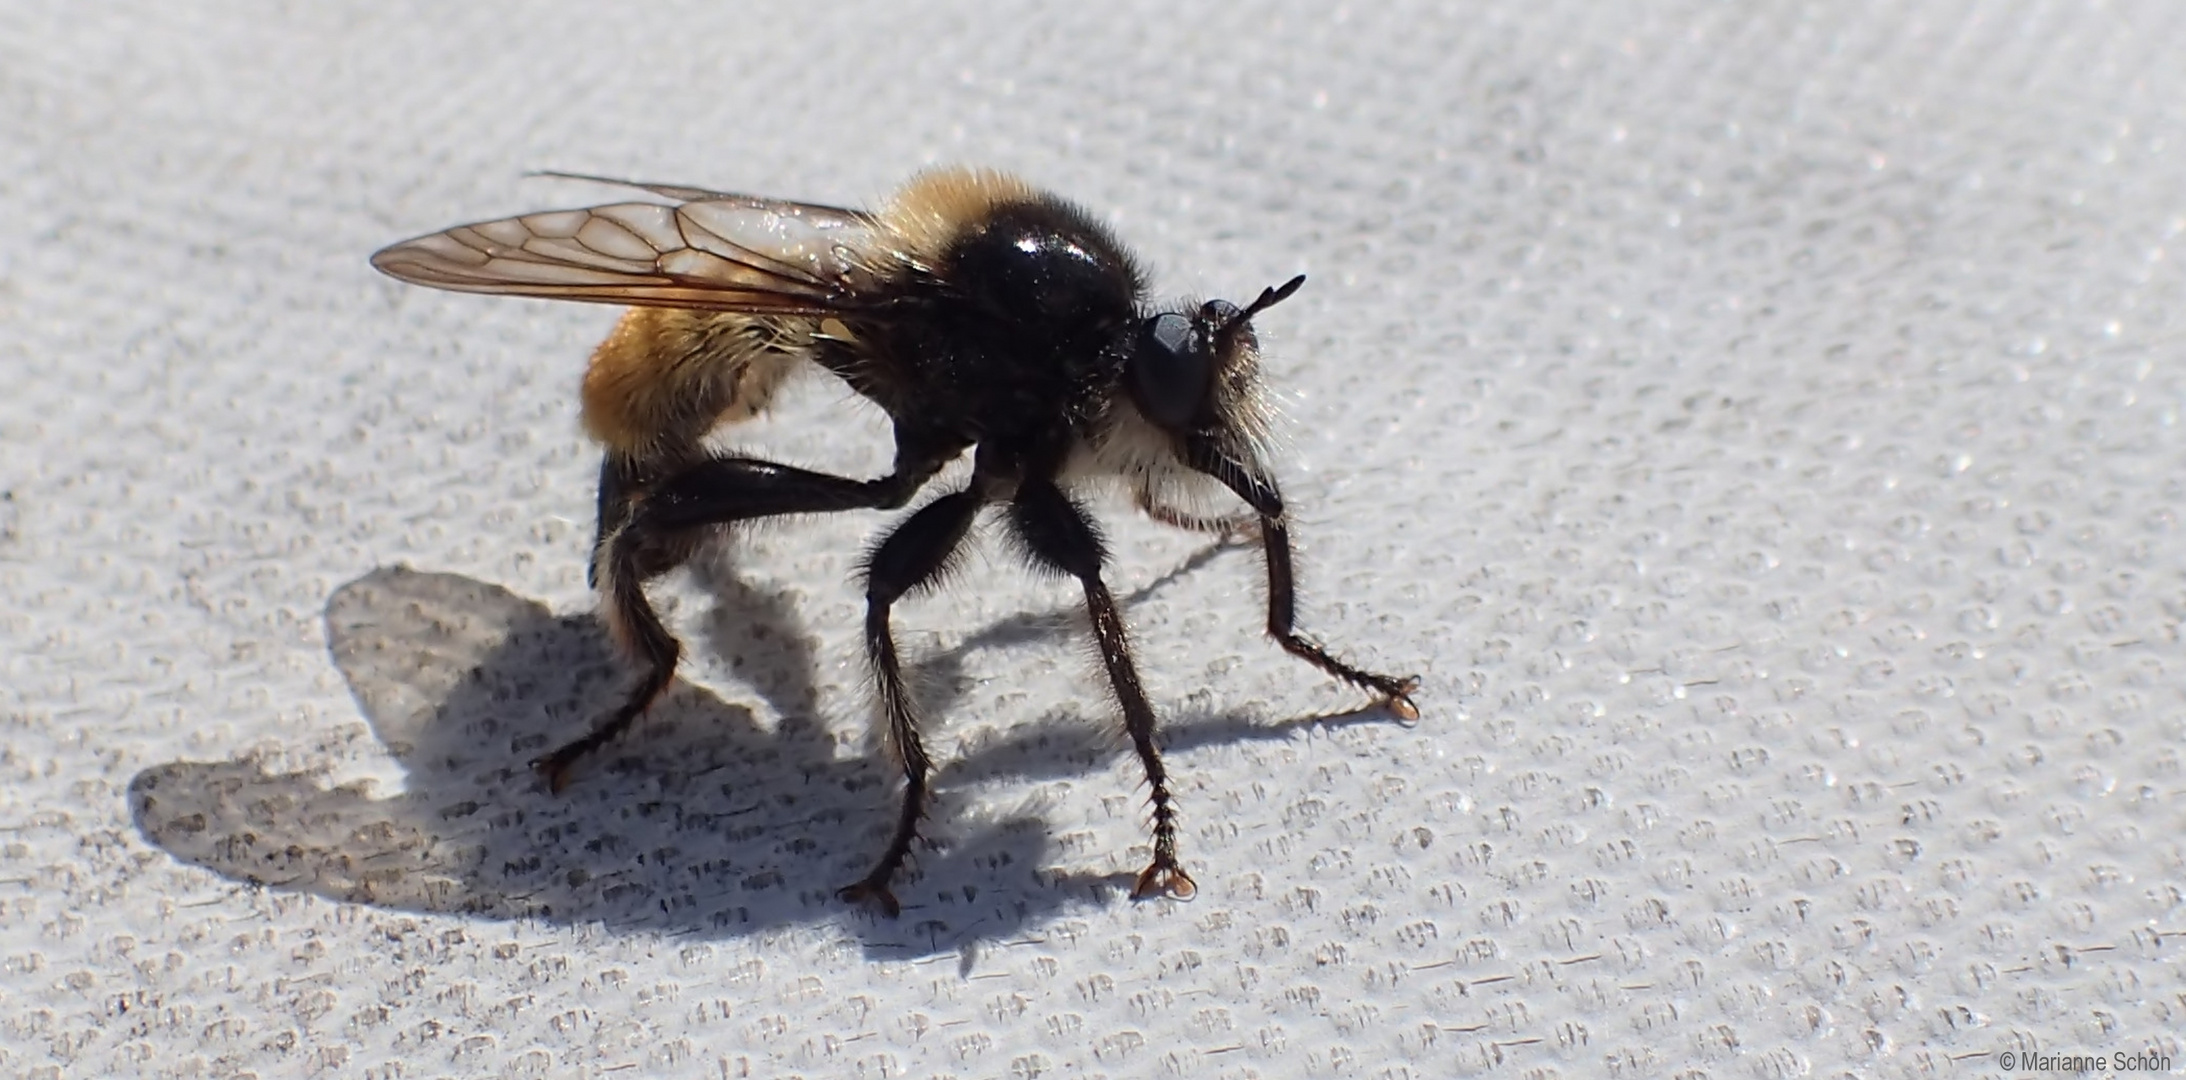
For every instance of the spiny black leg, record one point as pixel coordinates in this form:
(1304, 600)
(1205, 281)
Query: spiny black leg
(912, 557)
(637, 628)
(618, 482)
(1283, 612)
(653, 522)
(1162, 874)
(1259, 491)
(1227, 526)
(1058, 536)
(623, 483)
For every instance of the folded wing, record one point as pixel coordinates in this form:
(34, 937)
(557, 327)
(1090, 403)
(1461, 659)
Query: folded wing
(715, 252)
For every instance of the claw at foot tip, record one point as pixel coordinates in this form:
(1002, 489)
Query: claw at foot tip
(554, 770)
(1168, 879)
(1400, 702)
(871, 892)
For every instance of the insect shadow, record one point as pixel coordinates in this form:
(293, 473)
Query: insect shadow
(702, 822)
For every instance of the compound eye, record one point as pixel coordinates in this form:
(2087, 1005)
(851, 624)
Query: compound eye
(1170, 370)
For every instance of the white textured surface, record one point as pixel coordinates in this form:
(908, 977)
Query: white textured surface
(1758, 422)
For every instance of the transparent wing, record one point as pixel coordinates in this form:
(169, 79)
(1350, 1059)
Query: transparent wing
(687, 193)
(720, 252)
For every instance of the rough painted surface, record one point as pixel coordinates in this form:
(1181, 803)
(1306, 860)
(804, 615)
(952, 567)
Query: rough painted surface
(1759, 424)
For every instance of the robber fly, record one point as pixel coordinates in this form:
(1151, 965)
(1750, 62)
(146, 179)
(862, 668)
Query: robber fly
(983, 316)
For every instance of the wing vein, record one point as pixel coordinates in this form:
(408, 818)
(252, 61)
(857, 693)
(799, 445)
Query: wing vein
(729, 253)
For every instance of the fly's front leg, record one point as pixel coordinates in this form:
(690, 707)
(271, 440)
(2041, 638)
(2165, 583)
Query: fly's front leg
(1226, 527)
(1395, 692)
(1260, 493)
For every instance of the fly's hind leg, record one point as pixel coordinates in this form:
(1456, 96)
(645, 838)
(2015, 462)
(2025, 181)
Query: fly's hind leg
(647, 529)
(912, 557)
(623, 484)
